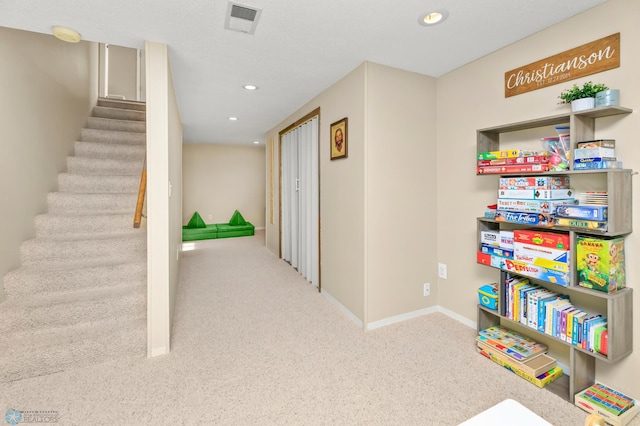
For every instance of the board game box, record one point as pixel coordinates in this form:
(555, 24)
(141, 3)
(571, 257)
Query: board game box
(539, 182)
(600, 263)
(510, 343)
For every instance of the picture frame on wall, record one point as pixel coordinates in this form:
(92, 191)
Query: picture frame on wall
(339, 139)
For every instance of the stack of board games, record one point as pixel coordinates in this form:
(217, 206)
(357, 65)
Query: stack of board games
(600, 263)
(617, 408)
(590, 212)
(596, 154)
(553, 313)
(541, 255)
(532, 200)
(496, 248)
(512, 161)
(518, 354)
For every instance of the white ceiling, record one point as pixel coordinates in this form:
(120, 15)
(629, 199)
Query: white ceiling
(300, 47)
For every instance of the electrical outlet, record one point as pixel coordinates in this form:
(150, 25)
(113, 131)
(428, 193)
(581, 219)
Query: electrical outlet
(426, 291)
(442, 270)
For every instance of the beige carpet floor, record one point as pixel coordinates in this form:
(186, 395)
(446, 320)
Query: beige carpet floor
(254, 344)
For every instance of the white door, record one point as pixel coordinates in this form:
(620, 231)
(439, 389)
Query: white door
(300, 199)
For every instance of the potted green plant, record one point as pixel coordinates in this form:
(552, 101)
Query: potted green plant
(581, 98)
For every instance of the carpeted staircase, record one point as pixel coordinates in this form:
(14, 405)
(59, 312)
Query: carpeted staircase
(79, 297)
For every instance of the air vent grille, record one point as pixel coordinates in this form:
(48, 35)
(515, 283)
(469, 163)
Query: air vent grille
(242, 12)
(241, 18)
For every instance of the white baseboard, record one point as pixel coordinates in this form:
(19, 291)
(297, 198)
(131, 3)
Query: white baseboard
(343, 309)
(458, 317)
(411, 315)
(401, 318)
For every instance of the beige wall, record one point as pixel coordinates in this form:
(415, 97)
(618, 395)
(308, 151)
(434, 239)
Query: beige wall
(48, 88)
(164, 197)
(123, 71)
(377, 224)
(472, 97)
(341, 192)
(400, 188)
(218, 179)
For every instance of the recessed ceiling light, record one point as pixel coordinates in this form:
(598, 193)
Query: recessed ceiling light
(66, 34)
(233, 118)
(256, 142)
(433, 18)
(250, 87)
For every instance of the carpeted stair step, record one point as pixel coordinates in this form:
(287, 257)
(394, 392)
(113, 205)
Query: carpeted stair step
(69, 253)
(112, 136)
(103, 166)
(26, 281)
(118, 113)
(121, 103)
(72, 347)
(117, 125)
(51, 311)
(69, 202)
(97, 184)
(76, 225)
(107, 150)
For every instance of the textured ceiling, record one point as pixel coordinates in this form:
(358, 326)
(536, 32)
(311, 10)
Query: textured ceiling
(300, 47)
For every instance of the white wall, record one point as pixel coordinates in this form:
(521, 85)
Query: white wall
(164, 197)
(472, 97)
(218, 179)
(48, 89)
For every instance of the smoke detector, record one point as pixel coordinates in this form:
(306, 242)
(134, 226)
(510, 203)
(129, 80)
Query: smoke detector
(242, 18)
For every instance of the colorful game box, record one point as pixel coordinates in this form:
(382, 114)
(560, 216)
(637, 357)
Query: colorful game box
(518, 168)
(536, 251)
(533, 206)
(581, 223)
(496, 251)
(491, 238)
(600, 263)
(506, 239)
(541, 238)
(536, 194)
(541, 182)
(511, 343)
(583, 212)
(538, 272)
(510, 153)
(513, 161)
(524, 218)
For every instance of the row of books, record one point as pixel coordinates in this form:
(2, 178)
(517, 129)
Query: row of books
(553, 314)
(518, 354)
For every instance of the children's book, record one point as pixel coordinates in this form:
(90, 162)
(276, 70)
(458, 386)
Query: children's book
(509, 342)
(577, 327)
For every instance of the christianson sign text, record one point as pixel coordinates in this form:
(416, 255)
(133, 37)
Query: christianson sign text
(590, 58)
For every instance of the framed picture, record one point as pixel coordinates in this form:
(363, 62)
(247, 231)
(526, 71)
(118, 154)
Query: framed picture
(339, 139)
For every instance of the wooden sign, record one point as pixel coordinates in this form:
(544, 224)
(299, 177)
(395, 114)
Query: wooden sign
(590, 58)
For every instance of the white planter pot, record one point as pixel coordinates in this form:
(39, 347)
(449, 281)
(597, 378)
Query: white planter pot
(582, 104)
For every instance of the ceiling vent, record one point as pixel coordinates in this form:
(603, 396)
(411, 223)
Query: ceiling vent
(242, 18)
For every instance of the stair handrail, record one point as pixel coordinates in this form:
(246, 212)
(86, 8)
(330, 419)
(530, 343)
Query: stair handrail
(137, 217)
